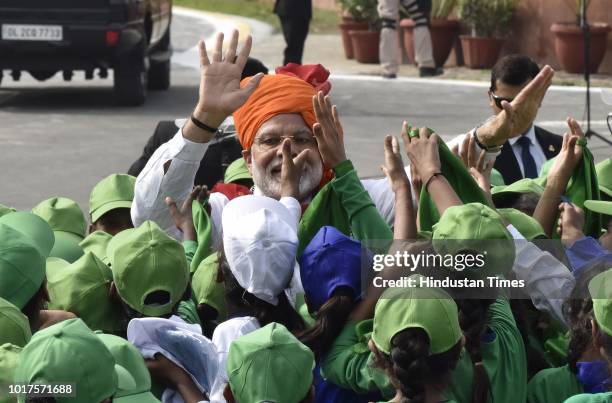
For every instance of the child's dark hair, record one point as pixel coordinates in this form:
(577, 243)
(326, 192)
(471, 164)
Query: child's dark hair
(248, 303)
(578, 312)
(412, 367)
(473, 318)
(330, 320)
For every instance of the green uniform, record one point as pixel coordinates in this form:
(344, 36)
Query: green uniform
(553, 385)
(349, 365)
(504, 360)
(591, 398)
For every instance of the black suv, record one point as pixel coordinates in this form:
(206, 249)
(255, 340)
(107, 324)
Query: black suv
(131, 37)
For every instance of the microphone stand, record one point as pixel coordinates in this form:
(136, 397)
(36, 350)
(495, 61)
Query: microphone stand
(586, 31)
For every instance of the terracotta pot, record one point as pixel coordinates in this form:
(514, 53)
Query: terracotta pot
(350, 24)
(569, 46)
(479, 52)
(365, 45)
(443, 37)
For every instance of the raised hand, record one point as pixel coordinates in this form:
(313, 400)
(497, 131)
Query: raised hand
(328, 131)
(571, 222)
(518, 115)
(423, 153)
(569, 156)
(183, 216)
(478, 168)
(291, 171)
(220, 94)
(394, 166)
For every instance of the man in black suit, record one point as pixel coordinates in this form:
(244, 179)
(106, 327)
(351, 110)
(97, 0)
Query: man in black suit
(295, 18)
(524, 155)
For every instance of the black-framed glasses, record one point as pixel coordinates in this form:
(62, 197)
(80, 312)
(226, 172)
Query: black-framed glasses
(498, 100)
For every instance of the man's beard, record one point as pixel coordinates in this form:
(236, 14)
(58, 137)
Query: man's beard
(268, 179)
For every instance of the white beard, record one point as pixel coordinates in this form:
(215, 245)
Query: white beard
(270, 185)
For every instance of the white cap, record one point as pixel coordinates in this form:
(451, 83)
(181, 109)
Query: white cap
(260, 243)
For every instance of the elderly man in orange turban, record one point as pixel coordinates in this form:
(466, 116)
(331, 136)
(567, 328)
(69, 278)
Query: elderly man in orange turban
(291, 137)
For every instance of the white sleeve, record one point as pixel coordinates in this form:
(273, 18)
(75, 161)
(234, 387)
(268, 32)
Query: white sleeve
(547, 280)
(153, 185)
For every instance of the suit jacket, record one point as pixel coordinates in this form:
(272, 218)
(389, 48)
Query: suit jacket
(293, 8)
(507, 164)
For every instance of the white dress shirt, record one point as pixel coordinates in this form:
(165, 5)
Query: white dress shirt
(534, 148)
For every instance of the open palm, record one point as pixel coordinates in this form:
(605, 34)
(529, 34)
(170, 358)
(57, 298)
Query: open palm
(220, 93)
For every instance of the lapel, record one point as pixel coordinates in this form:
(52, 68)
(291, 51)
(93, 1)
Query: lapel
(507, 165)
(549, 148)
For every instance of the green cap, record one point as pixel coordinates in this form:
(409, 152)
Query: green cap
(9, 357)
(269, 365)
(70, 352)
(528, 226)
(14, 324)
(114, 191)
(465, 227)
(604, 176)
(430, 309)
(600, 288)
(546, 167)
(82, 288)
(129, 357)
(62, 214)
(146, 260)
(33, 227)
(22, 267)
(97, 242)
(496, 178)
(237, 170)
(525, 185)
(205, 286)
(68, 223)
(4, 210)
(599, 206)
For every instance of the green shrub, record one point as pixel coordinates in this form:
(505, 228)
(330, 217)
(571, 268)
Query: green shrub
(487, 18)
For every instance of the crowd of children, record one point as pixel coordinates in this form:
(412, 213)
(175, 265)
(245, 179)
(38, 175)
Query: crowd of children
(177, 294)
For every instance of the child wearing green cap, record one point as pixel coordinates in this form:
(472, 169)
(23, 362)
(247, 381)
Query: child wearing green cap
(269, 365)
(600, 290)
(110, 202)
(586, 370)
(70, 352)
(26, 241)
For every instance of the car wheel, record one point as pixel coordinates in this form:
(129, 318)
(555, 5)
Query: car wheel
(130, 84)
(159, 75)
(159, 71)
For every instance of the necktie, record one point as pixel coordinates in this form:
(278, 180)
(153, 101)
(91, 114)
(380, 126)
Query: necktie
(529, 165)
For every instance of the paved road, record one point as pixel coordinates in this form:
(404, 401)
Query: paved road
(60, 138)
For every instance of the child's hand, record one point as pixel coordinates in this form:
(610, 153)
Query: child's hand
(394, 166)
(423, 153)
(569, 156)
(571, 222)
(291, 171)
(183, 217)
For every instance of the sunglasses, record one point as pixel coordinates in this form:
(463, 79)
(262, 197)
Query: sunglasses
(498, 100)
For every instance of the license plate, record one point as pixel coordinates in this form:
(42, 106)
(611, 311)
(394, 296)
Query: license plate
(15, 32)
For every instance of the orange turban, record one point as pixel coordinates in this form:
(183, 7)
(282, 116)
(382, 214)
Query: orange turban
(275, 95)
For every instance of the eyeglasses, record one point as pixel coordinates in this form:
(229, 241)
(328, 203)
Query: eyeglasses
(498, 100)
(271, 142)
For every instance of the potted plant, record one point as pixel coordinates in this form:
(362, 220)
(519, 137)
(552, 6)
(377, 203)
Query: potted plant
(569, 41)
(365, 42)
(489, 21)
(444, 31)
(352, 20)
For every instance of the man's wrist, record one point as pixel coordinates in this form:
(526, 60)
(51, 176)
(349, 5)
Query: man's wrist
(209, 119)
